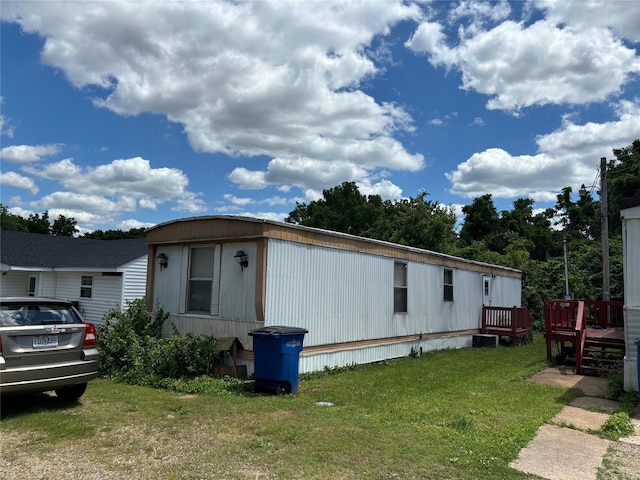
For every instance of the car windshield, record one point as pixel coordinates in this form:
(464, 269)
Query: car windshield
(16, 314)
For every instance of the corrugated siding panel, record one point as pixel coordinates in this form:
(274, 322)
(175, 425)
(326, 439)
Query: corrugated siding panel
(215, 284)
(631, 333)
(184, 275)
(337, 295)
(313, 363)
(631, 262)
(200, 324)
(344, 296)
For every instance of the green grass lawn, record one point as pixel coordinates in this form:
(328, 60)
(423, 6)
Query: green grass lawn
(456, 414)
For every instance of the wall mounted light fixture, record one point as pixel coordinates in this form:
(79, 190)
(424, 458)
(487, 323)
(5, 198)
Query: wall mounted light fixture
(163, 260)
(242, 259)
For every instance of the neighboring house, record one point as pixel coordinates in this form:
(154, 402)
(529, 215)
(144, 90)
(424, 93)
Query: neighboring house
(630, 214)
(361, 300)
(97, 274)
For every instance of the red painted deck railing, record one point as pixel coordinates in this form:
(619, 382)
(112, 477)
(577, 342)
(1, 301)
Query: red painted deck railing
(566, 321)
(510, 322)
(604, 314)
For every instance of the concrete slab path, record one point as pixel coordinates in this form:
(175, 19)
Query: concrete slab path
(565, 450)
(547, 455)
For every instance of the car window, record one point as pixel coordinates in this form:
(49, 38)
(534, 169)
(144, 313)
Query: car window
(22, 314)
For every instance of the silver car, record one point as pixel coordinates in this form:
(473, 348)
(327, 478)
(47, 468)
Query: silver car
(45, 345)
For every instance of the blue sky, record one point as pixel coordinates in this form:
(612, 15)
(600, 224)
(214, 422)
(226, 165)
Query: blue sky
(128, 114)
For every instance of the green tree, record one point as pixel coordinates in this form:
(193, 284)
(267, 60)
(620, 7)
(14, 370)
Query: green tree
(482, 222)
(417, 221)
(9, 221)
(64, 227)
(424, 224)
(38, 224)
(623, 181)
(115, 234)
(342, 208)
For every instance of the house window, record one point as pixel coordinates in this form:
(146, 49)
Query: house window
(86, 286)
(31, 287)
(399, 287)
(200, 279)
(448, 285)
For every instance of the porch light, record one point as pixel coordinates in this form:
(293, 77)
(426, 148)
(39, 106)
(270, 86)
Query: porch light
(163, 260)
(242, 259)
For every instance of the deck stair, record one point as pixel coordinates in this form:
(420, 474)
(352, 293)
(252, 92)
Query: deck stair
(593, 329)
(603, 351)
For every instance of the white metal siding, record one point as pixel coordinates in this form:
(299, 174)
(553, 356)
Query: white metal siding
(343, 296)
(631, 263)
(337, 295)
(632, 333)
(313, 363)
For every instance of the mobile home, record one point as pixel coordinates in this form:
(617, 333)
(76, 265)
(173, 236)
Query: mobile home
(361, 300)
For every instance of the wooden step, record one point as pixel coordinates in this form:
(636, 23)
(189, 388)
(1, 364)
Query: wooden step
(610, 343)
(603, 360)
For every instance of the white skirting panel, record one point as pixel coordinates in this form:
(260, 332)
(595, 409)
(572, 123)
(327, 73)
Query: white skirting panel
(317, 362)
(630, 374)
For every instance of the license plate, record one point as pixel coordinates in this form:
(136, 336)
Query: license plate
(45, 341)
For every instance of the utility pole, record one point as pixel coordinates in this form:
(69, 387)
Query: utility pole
(604, 218)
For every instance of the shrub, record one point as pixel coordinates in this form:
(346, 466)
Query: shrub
(616, 426)
(133, 350)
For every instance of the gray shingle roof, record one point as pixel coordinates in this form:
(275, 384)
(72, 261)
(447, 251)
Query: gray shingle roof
(48, 251)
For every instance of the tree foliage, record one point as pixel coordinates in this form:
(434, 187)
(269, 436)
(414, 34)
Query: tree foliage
(115, 234)
(413, 221)
(36, 223)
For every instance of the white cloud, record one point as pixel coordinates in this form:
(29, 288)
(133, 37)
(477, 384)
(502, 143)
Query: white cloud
(622, 16)
(28, 153)
(386, 189)
(557, 60)
(128, 224)
(13, 179)
(244, 78)
(568, 156)
(6, 128)
(98, 195)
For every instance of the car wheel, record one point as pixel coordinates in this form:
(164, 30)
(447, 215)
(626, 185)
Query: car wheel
(71, 392)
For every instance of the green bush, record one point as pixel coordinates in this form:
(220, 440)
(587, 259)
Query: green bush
(617, 425)
(133, 350)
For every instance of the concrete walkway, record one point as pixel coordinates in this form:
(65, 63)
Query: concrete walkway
(564, 449)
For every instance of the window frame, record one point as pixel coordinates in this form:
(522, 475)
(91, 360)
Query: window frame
(86, 286)
(201, 279)
(447, 285)
(400, 289)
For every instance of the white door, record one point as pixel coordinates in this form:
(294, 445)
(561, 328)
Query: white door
(486, 290)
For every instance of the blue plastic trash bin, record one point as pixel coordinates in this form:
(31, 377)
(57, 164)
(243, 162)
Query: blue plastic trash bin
(276, 353)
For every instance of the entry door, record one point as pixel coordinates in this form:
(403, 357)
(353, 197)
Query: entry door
(486, 290)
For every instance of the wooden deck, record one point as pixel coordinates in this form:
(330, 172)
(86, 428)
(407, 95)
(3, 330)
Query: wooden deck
(512, 322)
(590, 330)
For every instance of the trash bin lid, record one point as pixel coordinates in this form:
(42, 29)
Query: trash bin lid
(279, 330)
